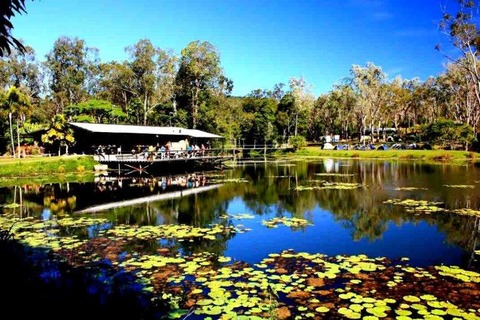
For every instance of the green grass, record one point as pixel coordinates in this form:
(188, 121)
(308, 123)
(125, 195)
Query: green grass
(424, 155)
(40, 166)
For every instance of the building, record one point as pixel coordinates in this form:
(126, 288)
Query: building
(119, 138)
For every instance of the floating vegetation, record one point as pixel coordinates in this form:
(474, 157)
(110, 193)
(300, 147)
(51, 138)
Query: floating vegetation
(11, 205)
(459, 186)
(227, 180)
(284, 285)
(331, 185)
(327, 174)
(409, 188)
(290, 285)
(289, 222)
(177, 232)
(427, 207)
(417, 206)
(466, 212)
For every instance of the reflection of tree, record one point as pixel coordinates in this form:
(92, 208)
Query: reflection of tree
(269, 190)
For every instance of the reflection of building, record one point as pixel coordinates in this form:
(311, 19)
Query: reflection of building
(185, 191)
(118, 191)
(158, 184)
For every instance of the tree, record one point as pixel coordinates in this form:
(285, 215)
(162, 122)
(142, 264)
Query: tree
(448, 133)
(367, 84)
(303, 99)
(459, 96)
(8, 10)
(463, 33)
(117, 83)
(259, 118)
(69, 64)
(17, 106)
(199, 75)
(58, 134)
(21, 70)
(285, 116)
(153, 75)
(95, 111)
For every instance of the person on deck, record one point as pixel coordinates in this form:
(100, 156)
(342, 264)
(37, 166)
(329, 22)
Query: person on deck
(162, 152)
(151, 152)
(168, 146)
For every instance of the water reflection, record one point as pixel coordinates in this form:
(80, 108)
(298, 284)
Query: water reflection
(344, 221)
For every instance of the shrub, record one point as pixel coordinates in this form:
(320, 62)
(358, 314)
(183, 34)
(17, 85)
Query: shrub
(442, 157)
(298, 142)
(254, 153)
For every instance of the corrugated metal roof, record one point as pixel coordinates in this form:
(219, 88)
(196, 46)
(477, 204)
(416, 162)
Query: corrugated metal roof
(124, 128)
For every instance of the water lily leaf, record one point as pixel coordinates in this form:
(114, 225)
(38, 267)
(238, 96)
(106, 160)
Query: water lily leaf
(177, 314)
(410, 298)
(322, 309)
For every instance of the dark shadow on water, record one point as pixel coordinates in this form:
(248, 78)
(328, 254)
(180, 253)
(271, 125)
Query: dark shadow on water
(34, 287)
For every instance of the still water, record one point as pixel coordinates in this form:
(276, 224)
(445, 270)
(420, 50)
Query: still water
(346, 206)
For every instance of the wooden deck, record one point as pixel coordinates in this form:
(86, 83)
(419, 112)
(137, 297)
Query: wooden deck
(139, 163)
(129, 158)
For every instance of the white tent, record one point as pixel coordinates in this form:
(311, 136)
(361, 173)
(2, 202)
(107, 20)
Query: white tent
(328, 146)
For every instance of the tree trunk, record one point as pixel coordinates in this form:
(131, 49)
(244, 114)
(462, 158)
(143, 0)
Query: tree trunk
(196, 90)
(11, 134)
(145, 101)
(18, 139)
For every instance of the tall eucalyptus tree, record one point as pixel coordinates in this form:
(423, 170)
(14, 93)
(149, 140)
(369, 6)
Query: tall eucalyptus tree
(21, 70)
(68, 66)
(200, 75)
(368, 85)
(462, 30)
(303, 100)
(153, 76)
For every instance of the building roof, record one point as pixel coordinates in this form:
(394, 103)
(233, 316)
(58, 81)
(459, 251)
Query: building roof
(132, 129)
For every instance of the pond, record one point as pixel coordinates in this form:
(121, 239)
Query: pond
(260, 220)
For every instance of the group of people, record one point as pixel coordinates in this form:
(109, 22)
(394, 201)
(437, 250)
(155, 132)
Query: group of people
(167, 152)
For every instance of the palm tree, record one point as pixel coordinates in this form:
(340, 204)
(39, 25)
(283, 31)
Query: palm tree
(8, 9)
(17, 105)
(59, 134)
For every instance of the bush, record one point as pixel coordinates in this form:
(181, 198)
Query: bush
(298, 142)
(254, 154)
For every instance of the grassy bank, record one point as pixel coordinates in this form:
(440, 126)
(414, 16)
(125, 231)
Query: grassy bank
(40, 166)
(453, 156)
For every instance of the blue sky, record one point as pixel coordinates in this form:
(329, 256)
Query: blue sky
(260, 42)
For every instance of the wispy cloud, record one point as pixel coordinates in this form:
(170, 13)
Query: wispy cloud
(382, 16)
(373, 9)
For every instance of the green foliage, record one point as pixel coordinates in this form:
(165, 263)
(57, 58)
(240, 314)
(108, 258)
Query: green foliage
(95, 111)
(448, 133)
(21, 70)
(199, 75)
(70, 67)
(150, 78)
(58, 134)
(259, 118)
(298, 142)
(8, 10)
